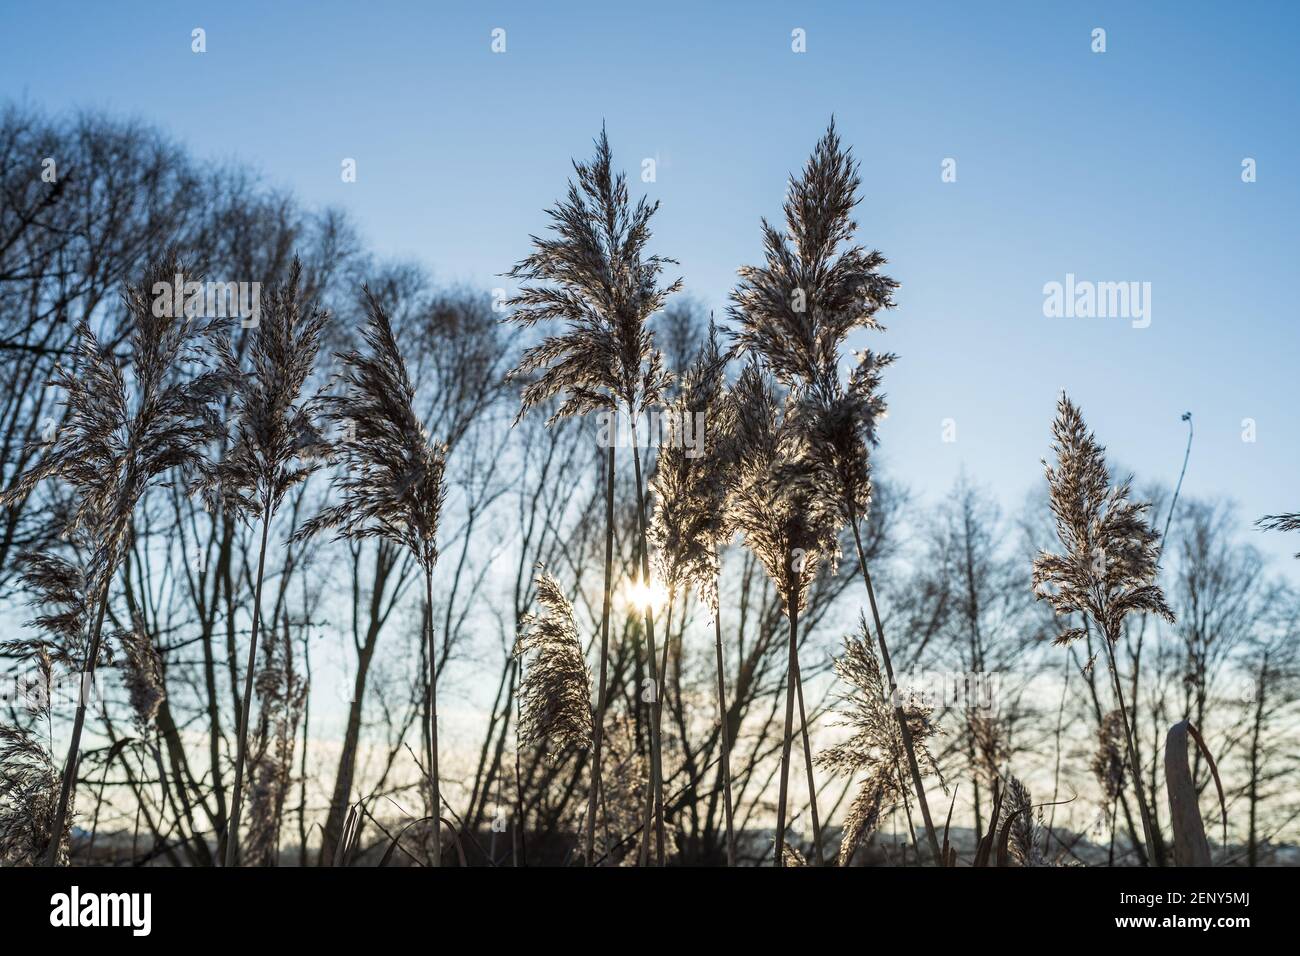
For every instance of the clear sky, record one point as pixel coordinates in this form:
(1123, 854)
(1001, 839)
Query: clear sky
(1117, 166)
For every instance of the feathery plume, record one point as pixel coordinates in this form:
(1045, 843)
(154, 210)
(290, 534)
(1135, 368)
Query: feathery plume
(391, 479)
(690, 481)
(1286, 522)
(29, 777)
(142, 673)
(29, 795)
(391, 483)
(987, 736)
(59, 588)
(840, 424)
(1109, 566)
(555, 692)
(276, 446)
(796, 309)
(594, 274)
(116, 442)
(1018, 818)
(775, 503)
(277, 439)
(1108, 761)
(875, 747)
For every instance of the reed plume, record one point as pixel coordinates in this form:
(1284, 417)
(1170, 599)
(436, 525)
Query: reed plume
(1109, 564)
(1107, 767)
(1107, 763)
(840, 423)
(58, 587)
(283, 694)
(29, 777)
(795, 311)
(555, 692)
(1018, 824)
(790, 856)
(391, 482)
(788, 523)
(690, 481)
(874, 750)
(690, 519)
(116, 441)
(595, 276)
(277, 445)
(142, 675)
(1285, 522)
(29, 796)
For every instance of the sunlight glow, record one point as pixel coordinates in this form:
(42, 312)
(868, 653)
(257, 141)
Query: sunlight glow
(643, 596)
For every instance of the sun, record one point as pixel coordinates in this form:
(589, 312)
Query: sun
(643, 596)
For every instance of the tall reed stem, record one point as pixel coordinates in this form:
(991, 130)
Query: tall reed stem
(241, 756)
(659, 723)
(599, 722)
(724, 731)
(904, 730)
(78, 722)
(791, 675)
(433, 722)
(807, 759)
(656, 767)
(1147, 830)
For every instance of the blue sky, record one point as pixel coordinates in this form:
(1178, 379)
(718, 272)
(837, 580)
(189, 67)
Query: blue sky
(1115, 166)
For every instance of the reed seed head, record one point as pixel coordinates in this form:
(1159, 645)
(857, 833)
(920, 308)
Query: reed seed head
(1109, 564)
(594, 275)
(555, 692)
(796, 309)
(391, 482)
(690, 483)
(277, 441)
(874, 749)
(776, 501)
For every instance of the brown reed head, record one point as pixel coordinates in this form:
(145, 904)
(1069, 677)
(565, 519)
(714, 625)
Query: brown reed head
(776, 501)
(797, 307)
(391, 475)
(874, 749)
(839, 420)
(555, 692)
(692, 477)
(594, 275)
(121, 433)
(277, 440)
(142, 674)
(1109, 563)
(1108, 761)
